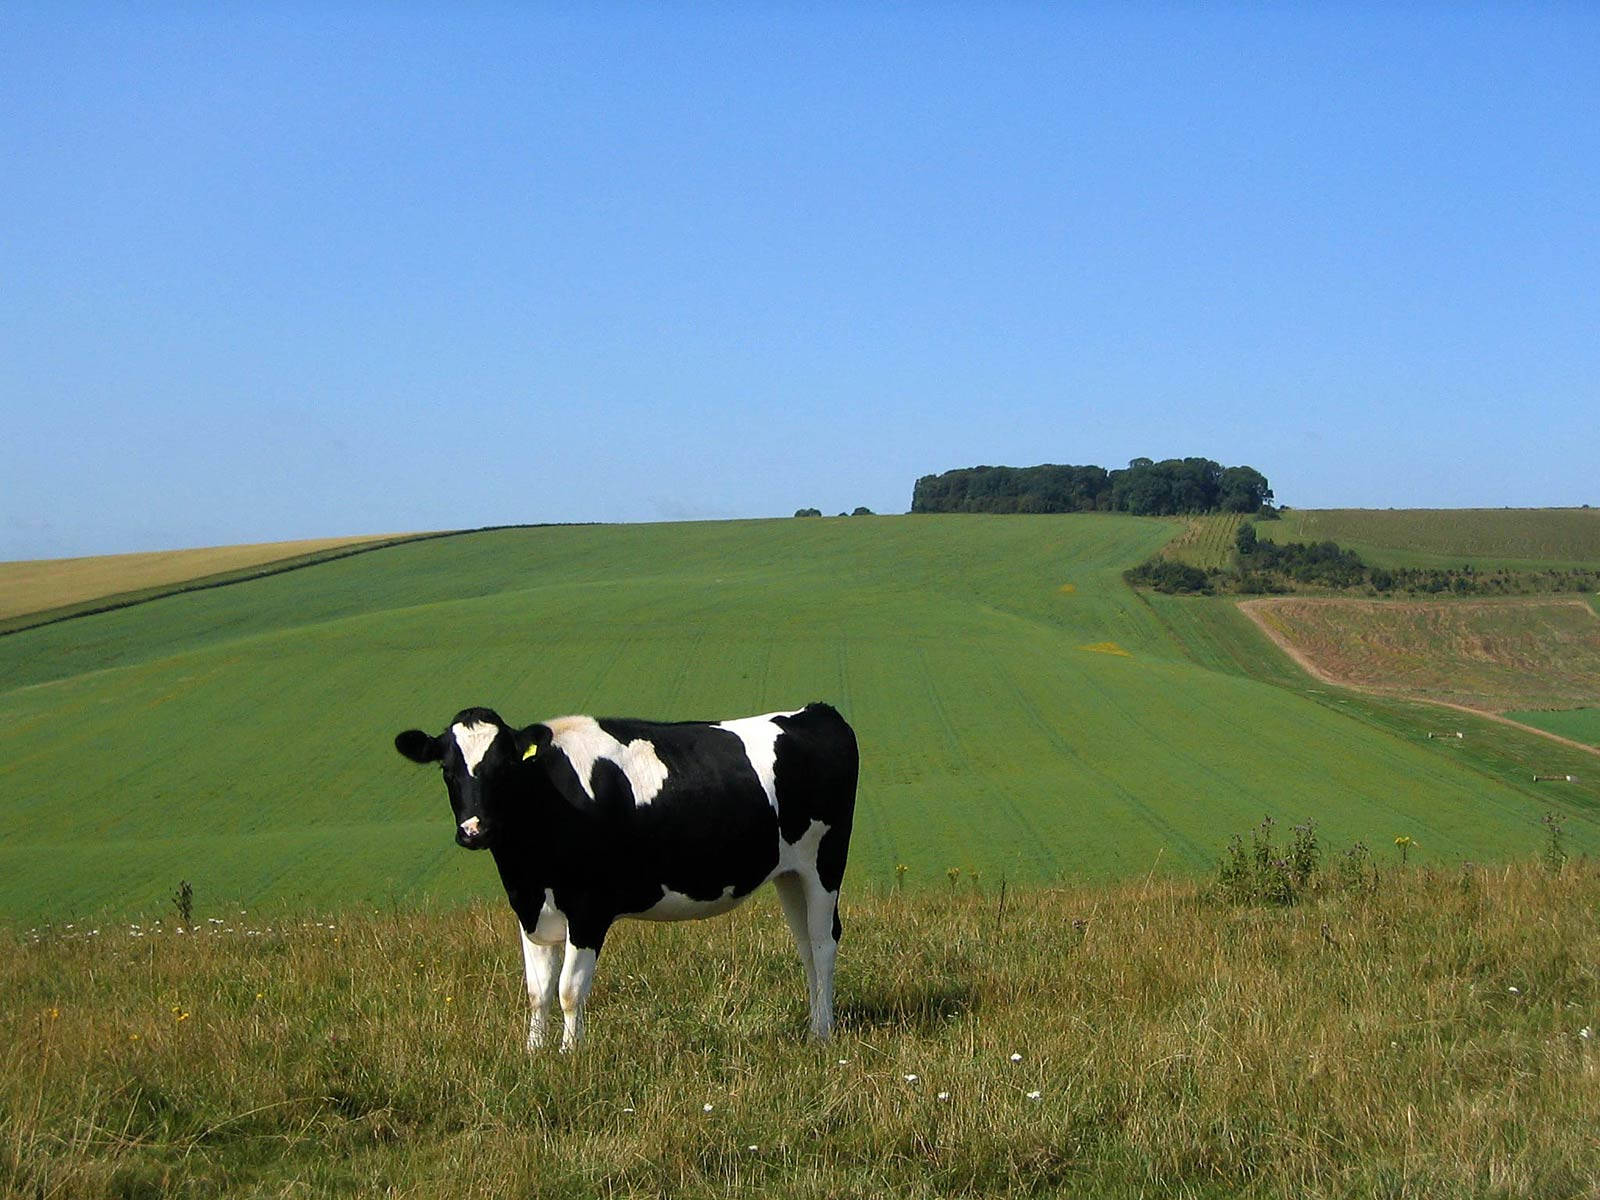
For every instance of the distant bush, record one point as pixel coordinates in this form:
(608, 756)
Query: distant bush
(1324, 564)
(808, 512)
(1169, 575)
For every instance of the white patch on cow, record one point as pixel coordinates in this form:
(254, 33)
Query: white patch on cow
(551, 927)
(760, 738)
(474, 741)
(584, 743)
(675, 906)
(800, 855)
(470, 826)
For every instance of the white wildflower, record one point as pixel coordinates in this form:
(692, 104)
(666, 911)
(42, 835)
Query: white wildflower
(911, 1079)
(1034, 1095)
(944, 1095)
(1586, 1033)
(1017, 1057)
(705, 1108)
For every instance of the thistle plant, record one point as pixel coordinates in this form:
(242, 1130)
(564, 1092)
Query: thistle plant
(1554, 854)
(183, 901)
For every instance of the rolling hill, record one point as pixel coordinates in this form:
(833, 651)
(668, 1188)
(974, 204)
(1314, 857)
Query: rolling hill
(1021, 711)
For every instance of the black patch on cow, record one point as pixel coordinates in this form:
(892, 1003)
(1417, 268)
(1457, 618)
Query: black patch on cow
(816, 769)
(419, 747)
(709, 828)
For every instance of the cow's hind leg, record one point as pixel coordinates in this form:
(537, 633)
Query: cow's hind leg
(542, 965)
(821, 945)
(822, 910)
(791, 891)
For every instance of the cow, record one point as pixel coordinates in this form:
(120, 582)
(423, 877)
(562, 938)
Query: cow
(591, 819)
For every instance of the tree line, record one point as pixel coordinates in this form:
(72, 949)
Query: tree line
(1146, 488)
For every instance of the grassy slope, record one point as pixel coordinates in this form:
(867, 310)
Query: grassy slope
(1488, 538)
(1215, 634)
(1426, 1041)
(240, 738)
(1580, 724)
(1207, 541)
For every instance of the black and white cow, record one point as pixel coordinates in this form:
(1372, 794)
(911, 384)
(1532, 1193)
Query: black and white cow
(594, 819)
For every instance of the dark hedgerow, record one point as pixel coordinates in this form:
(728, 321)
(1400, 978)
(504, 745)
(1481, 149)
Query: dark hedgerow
(1168, 575)
(1262, 567)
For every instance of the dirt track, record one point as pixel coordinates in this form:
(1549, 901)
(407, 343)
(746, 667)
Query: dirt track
(1254, 608)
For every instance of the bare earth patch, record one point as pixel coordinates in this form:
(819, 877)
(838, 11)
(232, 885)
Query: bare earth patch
(1488, 656)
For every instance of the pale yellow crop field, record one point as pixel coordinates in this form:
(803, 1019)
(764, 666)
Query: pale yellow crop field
(37, 585)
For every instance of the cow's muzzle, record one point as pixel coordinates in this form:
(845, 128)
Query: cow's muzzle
(472, 834)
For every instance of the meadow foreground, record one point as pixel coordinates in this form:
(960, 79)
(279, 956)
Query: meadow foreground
(1435, 1036)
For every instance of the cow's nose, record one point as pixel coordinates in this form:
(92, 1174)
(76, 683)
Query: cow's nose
(469, 827)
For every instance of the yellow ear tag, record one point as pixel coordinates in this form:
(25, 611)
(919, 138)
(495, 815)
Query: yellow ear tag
(530, 752)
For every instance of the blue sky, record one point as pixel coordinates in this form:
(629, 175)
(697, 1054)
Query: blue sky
(294, 270)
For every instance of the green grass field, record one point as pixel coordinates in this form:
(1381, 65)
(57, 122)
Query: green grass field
(1488, 538)
(1021, 711)
(1579, 724)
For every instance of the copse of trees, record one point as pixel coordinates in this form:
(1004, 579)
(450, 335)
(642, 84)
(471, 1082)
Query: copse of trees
(1144, 488)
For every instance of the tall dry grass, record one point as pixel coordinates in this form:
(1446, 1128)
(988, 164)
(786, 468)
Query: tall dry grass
(1436, 1038)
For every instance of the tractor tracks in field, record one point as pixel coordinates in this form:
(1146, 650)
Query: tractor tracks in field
(953, 738)
(1062, 746)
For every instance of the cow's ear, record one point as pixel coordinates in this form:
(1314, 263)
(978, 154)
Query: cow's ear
(418, 746)
(532, 741)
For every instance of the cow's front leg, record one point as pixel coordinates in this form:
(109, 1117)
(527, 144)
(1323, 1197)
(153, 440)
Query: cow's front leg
(542, 965)
(577, 976)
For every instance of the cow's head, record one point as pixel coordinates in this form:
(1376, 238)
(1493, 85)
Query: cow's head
(477, 754)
